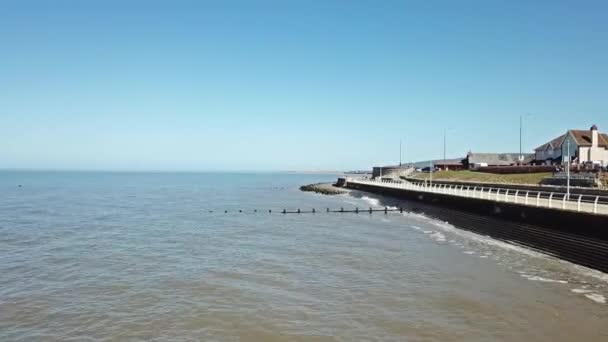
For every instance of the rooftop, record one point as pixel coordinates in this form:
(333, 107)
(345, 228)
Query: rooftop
(499, 158)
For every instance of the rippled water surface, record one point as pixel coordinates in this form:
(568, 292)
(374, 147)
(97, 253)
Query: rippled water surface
(139, 256)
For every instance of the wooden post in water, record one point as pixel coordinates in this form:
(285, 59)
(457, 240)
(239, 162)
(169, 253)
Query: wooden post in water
(298, 210)
(313, 210)
(341, 209)
(284, 211)
(370, 210)
(356, 210)
(386, 210)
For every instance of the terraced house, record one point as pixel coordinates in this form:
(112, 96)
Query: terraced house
(585, 146)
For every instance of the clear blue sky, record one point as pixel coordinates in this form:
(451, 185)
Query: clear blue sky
(292, 85)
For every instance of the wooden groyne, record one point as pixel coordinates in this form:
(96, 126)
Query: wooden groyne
(355, 210)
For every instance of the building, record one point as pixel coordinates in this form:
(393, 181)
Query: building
(549, 153)
(477, 160)
(586, 146)
(449, 164)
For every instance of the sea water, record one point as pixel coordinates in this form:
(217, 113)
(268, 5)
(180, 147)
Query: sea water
(115, 256)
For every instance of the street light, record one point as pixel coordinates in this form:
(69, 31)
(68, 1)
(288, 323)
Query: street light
(399, 153)
(568, 171)
(521, 124)
(444, 144)
(431, 173)
(445, 133)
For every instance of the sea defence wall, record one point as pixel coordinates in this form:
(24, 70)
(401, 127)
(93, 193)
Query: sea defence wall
(578, 237)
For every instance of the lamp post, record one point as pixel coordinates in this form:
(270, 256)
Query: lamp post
(444, 145)
(430, 173)
(521, 124)
(400, 143)
(568, 171)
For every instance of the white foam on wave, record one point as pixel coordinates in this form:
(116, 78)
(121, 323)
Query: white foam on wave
(489, 241)
(374, 202)
(544, 280)
(416, 227)
(484, 239)
(427, 231)
(581, 291)
(598, 298)
(590, 272)
(438, 236)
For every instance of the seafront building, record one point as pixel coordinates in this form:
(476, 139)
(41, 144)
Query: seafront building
(585, 146)
(588, 148)
(476, 160)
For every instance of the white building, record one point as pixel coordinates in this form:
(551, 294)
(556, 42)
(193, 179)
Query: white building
(585, 146)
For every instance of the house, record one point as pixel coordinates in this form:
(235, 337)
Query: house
(449, 164)
(549, 153)
(477, 160)
(585, 146)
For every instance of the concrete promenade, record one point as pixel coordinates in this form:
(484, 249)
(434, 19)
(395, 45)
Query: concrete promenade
(597, 205)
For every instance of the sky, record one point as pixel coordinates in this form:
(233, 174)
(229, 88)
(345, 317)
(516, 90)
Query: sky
(292, 85)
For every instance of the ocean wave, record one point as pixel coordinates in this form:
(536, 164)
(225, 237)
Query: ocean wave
(598, 298)
(544, 280)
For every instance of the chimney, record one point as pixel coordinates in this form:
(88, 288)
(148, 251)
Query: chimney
(594, 141)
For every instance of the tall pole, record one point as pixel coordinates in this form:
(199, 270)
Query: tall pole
(521, 128)
(521, 120)
(444, 145)
(399, 153)
(430, 173)
(568, 172)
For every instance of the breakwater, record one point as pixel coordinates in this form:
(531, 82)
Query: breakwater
(323, 188)
(578, 237)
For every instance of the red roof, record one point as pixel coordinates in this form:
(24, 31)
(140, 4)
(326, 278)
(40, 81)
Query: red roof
(583, 138)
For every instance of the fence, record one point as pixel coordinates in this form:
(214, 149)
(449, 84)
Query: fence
(554, 200)
(516, 169)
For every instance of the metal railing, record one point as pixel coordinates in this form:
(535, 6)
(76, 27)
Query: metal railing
(554, 200)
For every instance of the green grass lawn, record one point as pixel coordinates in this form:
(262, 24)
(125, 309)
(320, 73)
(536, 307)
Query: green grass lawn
(473, 176)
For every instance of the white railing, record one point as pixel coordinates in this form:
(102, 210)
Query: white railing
(554, 200)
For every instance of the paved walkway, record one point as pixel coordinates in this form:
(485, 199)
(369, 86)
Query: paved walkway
(554, 200)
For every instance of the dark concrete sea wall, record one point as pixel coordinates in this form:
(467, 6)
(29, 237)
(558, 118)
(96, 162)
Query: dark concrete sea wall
(576, 237)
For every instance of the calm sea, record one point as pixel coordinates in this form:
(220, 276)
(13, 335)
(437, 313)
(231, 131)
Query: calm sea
(94, 256)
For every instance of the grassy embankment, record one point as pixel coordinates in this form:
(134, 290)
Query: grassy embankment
(482, 177)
